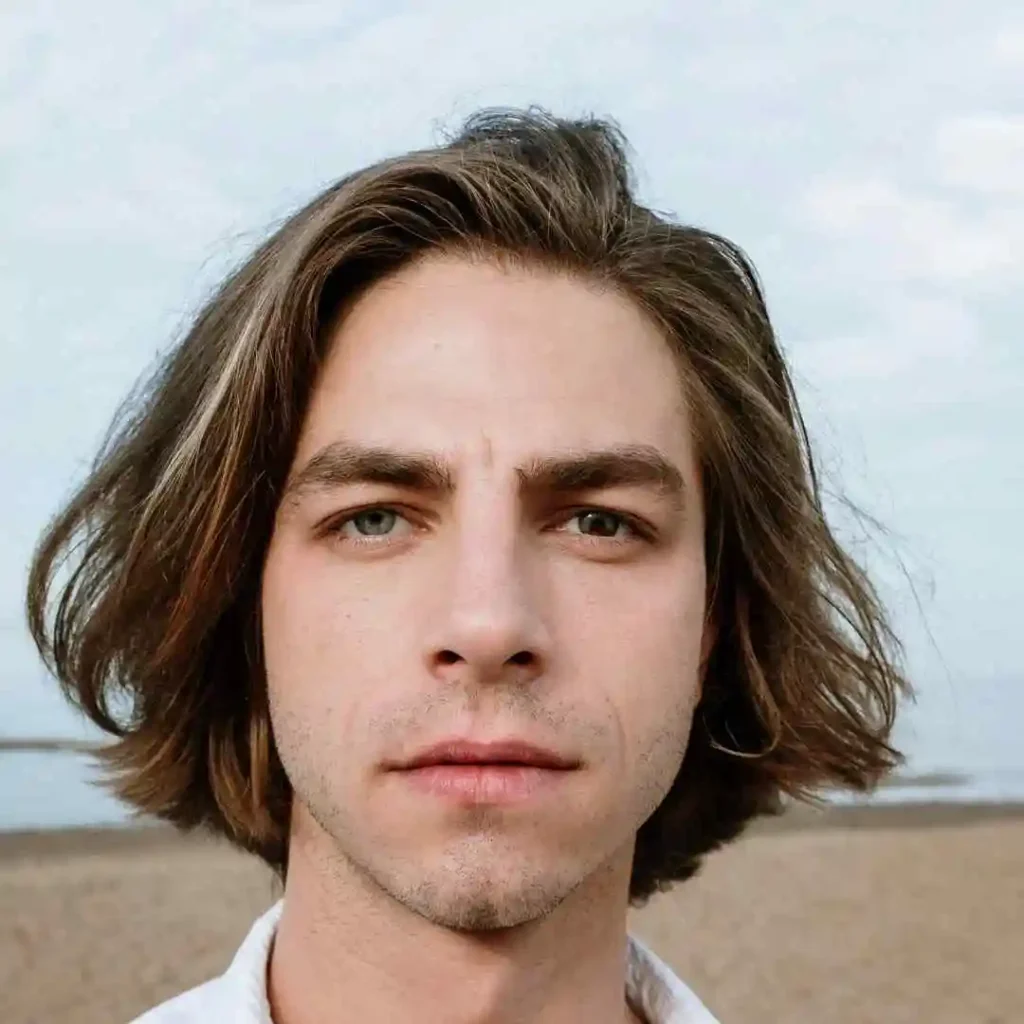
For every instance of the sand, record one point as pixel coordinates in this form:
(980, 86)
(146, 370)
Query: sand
(851, 918)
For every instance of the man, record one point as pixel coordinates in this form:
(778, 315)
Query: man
(466, 564)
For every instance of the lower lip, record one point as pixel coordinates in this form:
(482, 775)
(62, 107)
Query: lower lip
(485, 783)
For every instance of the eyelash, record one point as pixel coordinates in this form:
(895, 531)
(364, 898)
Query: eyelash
(639, 531)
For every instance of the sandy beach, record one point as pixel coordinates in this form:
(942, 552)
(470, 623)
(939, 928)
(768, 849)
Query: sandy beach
(850, 916)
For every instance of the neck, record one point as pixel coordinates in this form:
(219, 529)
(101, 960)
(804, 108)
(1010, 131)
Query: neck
(343, 942)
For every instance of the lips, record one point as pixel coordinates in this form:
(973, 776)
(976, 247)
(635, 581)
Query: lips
(509, 752)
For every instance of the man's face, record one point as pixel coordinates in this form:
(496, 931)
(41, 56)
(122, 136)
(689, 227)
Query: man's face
(564, 609)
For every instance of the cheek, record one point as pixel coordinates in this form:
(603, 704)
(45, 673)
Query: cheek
(336, 648)
(316, 614)
(648, 629)
(313, 662)
(642, 641)
(657, 711)
(308, 632)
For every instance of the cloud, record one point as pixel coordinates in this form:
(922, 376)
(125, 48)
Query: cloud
(921, 236)
(922, 338)
(913, 354)
(1008, 47)
(984, 154)
(936, 246)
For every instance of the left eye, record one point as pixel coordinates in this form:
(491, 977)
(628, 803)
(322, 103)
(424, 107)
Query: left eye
(371, 523)
(374, 522)
(599, 523)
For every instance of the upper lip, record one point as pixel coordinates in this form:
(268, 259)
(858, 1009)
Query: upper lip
(508, 751)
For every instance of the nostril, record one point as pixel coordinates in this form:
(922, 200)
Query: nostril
(448, 657)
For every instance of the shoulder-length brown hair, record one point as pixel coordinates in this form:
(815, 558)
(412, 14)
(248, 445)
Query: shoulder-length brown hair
(161, 549)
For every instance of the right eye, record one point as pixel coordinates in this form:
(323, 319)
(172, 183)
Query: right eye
(371, 526)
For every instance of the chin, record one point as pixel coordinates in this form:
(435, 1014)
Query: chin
(484, 893)
(477, 911)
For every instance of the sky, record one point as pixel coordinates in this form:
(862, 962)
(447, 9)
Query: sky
(871, 163)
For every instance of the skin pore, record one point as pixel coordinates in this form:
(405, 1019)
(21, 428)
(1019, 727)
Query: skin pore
(493, 528)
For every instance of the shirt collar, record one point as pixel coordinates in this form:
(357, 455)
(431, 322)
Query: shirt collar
(652, 988)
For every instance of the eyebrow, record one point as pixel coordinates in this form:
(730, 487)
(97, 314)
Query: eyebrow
(342, 464)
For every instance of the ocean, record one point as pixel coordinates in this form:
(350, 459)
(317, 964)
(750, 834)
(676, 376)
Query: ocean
(54, 789)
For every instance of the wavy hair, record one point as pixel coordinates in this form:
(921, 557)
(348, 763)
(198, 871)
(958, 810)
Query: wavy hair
(143, 594)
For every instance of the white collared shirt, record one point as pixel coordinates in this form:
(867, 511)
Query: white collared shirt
(239, 996)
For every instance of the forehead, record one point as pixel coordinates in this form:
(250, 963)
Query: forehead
(462, 356)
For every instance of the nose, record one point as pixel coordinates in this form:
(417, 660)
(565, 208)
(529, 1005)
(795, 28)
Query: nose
(490, 627)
